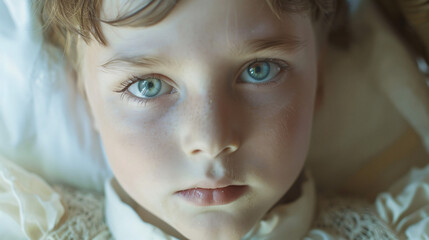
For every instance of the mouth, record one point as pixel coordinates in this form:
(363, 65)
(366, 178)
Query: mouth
(213, 196)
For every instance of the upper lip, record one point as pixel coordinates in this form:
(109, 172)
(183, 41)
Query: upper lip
(210, 184)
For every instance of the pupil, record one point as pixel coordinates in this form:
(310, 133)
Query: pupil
(258, 69)
(150, 85)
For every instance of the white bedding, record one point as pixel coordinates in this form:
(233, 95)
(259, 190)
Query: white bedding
(44, 123)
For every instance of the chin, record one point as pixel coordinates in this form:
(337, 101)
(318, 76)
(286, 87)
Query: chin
(214, 234)
(215, 226)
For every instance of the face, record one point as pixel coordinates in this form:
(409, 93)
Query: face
(205, 117)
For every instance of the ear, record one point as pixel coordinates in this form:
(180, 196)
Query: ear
(90, 110)
(82, 91)
(79, 84)
(319, 94)
(320, 79)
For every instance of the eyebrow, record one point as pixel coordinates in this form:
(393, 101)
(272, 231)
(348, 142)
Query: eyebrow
(285, 44)
(136, 61)
(288, 44)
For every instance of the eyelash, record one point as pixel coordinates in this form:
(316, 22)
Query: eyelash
(123, 87)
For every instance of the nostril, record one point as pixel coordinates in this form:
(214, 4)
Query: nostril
(226, 150)
(196, 151)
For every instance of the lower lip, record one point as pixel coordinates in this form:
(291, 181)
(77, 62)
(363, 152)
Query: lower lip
(210, 197)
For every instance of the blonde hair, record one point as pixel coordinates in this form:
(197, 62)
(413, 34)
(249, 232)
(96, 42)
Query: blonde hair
(65, 21)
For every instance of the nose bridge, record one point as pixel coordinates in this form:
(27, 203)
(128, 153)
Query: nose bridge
(209, 126)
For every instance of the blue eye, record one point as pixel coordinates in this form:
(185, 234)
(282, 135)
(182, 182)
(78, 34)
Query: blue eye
(260, 72)
(149, 88)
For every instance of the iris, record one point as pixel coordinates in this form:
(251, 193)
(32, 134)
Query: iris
(149, 87)
(259, 70)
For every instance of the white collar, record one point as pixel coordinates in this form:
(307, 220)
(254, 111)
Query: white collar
(292, 219)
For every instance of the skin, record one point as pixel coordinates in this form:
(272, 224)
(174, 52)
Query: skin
(210, 124)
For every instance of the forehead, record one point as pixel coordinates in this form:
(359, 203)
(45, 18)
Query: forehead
(214, 24)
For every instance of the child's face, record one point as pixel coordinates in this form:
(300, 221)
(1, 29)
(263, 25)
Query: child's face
(212, 117)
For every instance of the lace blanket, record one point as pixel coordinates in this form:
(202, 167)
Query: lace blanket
(84, 217)
(345, 219)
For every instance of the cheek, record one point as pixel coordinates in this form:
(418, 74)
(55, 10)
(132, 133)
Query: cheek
(145, 163)
(139, 155)
(279, 136)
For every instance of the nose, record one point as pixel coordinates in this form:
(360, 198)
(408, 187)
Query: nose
(210, 128)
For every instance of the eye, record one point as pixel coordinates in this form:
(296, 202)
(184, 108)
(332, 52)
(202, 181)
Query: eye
(260, 72)
(149, 88)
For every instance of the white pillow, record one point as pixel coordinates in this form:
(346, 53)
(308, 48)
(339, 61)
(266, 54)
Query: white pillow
(45, 125)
